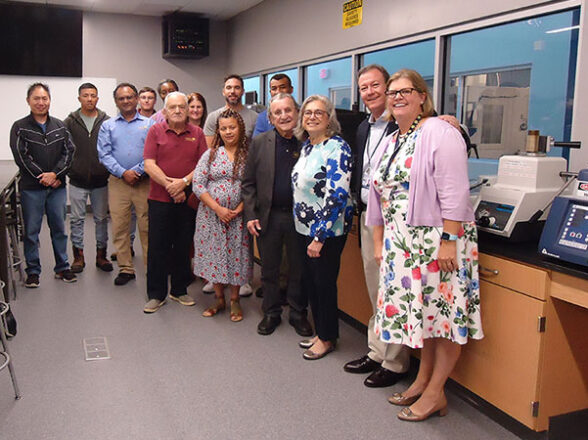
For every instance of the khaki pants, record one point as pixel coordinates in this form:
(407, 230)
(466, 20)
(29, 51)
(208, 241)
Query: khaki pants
(394, 357)
(121, 197)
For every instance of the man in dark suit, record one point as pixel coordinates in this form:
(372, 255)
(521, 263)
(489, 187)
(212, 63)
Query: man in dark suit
(267, 197)
(387, 363)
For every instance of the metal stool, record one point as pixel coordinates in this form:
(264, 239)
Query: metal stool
(4, 354)
(15, 260)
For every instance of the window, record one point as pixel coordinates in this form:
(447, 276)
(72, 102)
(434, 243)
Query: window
(511, 78)
(292, 74)
(417, 56)
(331, 79)
(251, 84)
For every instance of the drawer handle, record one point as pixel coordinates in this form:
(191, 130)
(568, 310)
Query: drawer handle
(488, 271)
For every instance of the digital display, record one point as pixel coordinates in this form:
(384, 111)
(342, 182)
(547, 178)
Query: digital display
(574, 230)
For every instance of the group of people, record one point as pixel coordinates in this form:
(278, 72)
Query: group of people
(201, 187)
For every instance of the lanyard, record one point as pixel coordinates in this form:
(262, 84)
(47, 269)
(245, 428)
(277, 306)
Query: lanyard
(370, 155)
(398, 145)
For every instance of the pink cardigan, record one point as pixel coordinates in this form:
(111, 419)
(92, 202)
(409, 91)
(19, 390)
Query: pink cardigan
(439, 185)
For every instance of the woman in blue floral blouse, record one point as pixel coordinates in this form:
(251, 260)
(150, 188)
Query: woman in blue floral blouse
(323, 213)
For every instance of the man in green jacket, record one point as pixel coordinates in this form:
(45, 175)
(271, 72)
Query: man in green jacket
(88, 178)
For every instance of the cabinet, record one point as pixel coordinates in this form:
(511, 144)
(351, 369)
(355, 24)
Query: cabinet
(533, 361)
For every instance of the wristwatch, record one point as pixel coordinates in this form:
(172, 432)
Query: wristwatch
(186, 181)
(448, 237)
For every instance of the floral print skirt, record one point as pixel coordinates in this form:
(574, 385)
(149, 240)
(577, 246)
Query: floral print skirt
(416, 300)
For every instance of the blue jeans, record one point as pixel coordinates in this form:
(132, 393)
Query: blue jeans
(99, 201)
(35, 203)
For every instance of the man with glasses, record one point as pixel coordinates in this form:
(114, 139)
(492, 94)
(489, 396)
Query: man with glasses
(267, 203)
(120, 148)
(43, 150)
(279, 83)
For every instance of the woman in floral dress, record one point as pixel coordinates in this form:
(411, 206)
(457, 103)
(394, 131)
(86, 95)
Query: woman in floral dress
(426, 242)
(222, 244)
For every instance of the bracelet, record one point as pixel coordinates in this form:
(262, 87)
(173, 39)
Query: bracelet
(186, 181)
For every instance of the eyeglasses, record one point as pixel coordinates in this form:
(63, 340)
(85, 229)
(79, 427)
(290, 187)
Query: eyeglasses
(317, 113)
(403, 92)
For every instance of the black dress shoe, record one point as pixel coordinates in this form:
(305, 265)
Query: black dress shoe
(268, 324)
(383, 378)
(362, 365)
(302, 326)
(123, 278)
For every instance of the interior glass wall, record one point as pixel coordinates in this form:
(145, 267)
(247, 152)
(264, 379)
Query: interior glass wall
(507, 79)
(418, 56)
(251, 84)
(331, 79)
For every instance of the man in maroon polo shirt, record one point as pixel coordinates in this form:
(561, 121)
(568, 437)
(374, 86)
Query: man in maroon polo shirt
(172, 150)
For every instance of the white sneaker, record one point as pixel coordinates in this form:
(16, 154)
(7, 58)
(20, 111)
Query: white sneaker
(245, 290)
(208, 288)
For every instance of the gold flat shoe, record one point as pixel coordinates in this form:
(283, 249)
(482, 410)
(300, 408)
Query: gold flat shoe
(407, 414)
(400, 400)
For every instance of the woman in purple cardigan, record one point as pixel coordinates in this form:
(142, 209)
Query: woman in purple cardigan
(426, 242)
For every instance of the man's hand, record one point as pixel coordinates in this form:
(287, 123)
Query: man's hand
(180, 198)
(452, 120)
(47, 179)
(174, 186)
(56, 183)
(254, 227)
(130, 177)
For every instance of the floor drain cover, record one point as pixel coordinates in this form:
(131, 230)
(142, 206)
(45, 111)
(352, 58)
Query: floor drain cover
(96, 348)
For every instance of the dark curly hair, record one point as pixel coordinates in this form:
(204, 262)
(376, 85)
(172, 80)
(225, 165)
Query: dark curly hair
(242, 143)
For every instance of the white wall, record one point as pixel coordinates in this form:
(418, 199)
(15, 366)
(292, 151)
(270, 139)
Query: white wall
(128, 48)
(279, 33)
(120, 48)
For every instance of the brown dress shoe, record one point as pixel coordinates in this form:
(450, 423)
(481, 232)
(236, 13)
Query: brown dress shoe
(102, 262)
(78, 263)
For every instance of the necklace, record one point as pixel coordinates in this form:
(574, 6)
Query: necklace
(400, 141)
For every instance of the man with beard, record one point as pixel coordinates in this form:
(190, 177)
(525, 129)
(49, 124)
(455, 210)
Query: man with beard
(267, 198)
(233, 92)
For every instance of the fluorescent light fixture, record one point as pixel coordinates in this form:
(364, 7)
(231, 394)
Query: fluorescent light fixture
(557, 31)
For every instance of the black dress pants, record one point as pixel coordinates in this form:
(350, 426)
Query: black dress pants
(319, 280)
(171, 232)
(280, 231)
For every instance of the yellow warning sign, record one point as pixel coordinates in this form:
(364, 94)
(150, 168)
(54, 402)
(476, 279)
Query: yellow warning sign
(352, 13)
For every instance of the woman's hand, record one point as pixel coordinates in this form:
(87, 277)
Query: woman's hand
(224, 214)
(378, 238)
(447, 256)
(314, 249)
(378, 252)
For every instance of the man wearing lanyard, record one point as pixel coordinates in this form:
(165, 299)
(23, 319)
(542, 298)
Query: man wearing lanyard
(386, 362)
